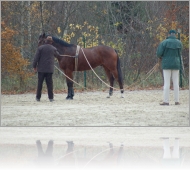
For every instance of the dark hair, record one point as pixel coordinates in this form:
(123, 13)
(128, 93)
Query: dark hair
(48, 41)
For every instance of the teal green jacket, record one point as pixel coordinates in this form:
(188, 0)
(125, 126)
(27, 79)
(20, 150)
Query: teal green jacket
(169, 51)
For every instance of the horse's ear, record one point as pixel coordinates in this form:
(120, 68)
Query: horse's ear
(44, 35)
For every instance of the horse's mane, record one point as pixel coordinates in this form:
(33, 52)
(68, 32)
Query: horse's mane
(62, 42)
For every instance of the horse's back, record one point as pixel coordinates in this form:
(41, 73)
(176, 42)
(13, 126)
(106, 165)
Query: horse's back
(103, 48)
(101, 51)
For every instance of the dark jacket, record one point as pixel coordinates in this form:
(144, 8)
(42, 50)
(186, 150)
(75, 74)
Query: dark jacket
(169, 51)
(44, 58)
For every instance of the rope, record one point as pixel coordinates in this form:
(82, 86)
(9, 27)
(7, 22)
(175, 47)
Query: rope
(97, 155)
(154, 68)
(67, 56)
(96, 74)
(67, 76)
(150, 73)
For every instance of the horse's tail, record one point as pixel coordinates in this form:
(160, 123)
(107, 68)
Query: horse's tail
(120, 77)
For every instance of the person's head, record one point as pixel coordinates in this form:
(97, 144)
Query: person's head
(172, 33)
(48, 40)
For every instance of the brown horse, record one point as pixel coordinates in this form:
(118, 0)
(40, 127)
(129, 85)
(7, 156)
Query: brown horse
(96, 56)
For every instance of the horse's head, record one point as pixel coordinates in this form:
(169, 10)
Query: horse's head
(41, 39)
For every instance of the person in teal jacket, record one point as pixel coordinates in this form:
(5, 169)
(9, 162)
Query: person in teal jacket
(169, 52)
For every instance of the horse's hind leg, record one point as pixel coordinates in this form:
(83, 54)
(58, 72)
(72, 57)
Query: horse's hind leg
(70, 146)
(117, 75)
(49, 149)
(111, 84)
(120, 154)
(111, 80)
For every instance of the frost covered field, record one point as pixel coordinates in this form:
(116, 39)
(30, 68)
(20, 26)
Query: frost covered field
(137, 108)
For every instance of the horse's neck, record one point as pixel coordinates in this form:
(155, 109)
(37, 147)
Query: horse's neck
(58, 46)
(65, 50)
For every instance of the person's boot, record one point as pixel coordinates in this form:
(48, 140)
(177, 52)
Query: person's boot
(164, 104)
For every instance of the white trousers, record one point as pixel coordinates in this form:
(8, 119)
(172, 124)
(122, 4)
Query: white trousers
(167, 153)
(168, 74)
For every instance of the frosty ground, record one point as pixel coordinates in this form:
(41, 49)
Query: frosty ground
(137, 108)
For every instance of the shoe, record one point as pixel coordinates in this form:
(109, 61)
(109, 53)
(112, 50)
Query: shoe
(51, 100)
(37, 99)
(164, 137)
(177, 103)
(164, 104)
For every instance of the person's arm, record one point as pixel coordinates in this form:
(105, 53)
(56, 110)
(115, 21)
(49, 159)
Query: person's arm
(160, 51)
(181, 59)
(56, 53)
(180, 51)
(36, 59)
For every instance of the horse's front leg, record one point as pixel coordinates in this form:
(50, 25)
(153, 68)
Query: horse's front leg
(70, 91)
(70, 86)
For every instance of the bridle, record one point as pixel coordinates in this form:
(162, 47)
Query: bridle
(41, 42)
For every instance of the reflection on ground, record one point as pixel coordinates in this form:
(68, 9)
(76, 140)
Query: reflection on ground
(69, 155)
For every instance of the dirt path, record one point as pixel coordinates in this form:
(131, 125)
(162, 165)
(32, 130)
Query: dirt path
(137, 108)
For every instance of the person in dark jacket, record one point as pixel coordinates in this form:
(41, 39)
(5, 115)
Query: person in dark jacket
(169, 52)
(43, 63)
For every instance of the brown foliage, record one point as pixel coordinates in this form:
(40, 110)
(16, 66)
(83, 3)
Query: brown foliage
(11, 58)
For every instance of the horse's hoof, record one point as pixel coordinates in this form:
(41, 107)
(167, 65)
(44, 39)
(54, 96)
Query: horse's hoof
(69, 98)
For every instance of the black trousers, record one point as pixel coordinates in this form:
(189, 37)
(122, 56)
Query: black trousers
(49, 83)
